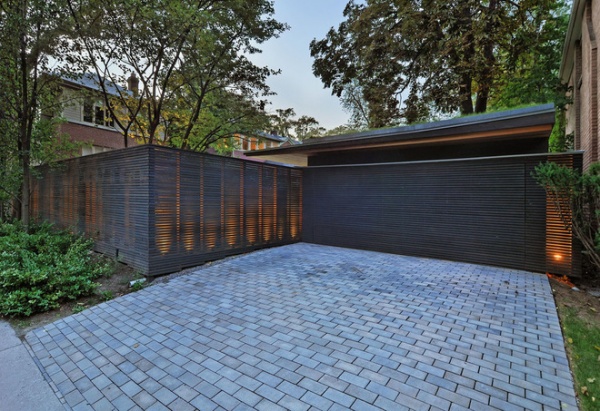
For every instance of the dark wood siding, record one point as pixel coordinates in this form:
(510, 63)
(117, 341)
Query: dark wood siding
(487, 211)
(160, 210)
(206, 207)
(105, 196)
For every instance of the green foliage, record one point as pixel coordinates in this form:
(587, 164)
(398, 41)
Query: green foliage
(196, 82)
(284, 123)
(137, 286)
(559, 140)
(583, 342)
(223, 115)
(576, 197)
(532, 76)
(30, 34)
(41, 269)
(79, 307)
(441, 56)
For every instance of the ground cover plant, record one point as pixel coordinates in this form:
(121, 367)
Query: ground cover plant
(41, 268)
(579, 313)
(583, 341)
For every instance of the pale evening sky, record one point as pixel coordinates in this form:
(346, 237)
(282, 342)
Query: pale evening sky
(296, 86)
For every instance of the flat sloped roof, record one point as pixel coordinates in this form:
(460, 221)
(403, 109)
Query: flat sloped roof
(529, 122)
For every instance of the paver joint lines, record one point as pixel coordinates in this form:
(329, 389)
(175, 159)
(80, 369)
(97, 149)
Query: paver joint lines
(312, 327)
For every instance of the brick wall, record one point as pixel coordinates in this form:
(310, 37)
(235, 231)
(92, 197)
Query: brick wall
(96, 136)
(582, 42)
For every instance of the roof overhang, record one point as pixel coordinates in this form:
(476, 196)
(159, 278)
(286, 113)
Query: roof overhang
(528, 123)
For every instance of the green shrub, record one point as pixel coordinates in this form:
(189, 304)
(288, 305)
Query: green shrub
(42, 268)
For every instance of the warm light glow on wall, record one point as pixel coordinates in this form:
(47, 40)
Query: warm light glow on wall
(201, 211)
(163, 238)
(559, 246)
(231, 227)
(163, 210)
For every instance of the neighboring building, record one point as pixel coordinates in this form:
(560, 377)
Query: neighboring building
(260, 141)
(88, 119)
(579, 69)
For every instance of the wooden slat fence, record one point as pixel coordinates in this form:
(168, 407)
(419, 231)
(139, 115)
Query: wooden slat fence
(485, 211)
(161, 210)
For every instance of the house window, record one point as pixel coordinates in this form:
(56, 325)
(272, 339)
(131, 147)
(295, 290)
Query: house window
(95, 112)
(99, 115)
(88, 111)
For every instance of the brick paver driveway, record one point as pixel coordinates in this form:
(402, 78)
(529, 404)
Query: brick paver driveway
(311, 327)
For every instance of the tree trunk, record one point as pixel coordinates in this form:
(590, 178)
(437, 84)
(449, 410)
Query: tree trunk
(25, 115)
(465, 90)
(25, 193)
(482, 99)
(464, 59)
(486, 74)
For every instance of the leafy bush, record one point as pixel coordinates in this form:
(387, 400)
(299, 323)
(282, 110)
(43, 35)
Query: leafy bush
(42, 268)
(576, 196)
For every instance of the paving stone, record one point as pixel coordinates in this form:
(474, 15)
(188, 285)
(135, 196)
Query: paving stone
(317, 401)
(266, 405)
(293, 404)
(247, 397)
(313, 327)
(291, 389)
(270, 393)
(122, 402)
(165, 396)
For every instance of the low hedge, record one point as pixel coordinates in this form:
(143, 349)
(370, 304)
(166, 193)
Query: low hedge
(42, 268)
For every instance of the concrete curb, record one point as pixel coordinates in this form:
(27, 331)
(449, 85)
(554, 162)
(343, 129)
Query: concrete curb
(22, 384)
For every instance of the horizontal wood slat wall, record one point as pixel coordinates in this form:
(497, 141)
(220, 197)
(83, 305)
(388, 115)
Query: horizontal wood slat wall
(485, 211)
(206, 207)
(561, 252)
(161, 210)
(106, 196)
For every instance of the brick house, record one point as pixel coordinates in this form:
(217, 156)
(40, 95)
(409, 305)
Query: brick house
(579, 69)
(87, 118)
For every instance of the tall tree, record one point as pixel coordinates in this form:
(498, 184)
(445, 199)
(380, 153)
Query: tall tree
(307, 127)
(533, 76)
(191, 48)
(353, 101)
(30, 32)
(284, 123)
(223, 114)
(443, 55)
